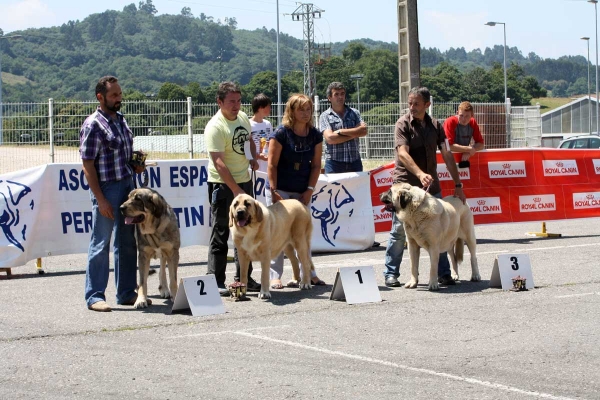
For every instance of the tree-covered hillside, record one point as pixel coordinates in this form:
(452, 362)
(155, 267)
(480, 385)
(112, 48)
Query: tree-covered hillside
(173, 56)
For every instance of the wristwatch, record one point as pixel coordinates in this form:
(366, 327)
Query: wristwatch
(458, 185)
(339, 132)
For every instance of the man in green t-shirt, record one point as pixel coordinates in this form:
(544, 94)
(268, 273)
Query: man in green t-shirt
(226, 135)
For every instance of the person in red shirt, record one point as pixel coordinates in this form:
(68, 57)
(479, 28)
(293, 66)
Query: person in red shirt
(463, 132)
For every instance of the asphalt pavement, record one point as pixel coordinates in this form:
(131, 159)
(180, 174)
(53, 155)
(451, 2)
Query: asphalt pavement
(467, 341)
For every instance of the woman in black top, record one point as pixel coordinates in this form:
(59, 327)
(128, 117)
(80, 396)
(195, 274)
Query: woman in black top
(294, 166)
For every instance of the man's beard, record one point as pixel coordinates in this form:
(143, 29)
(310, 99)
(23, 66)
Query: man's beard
(113, 107)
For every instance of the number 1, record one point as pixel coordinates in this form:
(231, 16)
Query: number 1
(359, 276)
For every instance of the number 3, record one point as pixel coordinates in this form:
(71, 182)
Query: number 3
(515, 265)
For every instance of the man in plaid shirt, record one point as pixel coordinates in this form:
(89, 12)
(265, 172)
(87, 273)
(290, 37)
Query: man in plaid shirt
(342, 127)
(106, 144)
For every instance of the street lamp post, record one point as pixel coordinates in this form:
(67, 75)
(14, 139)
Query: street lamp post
(587, 39)
(278, 73)
(2, 104)
(595, 3)
(358, 77)
(505, 81)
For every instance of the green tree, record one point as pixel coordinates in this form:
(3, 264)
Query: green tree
(336, 69)
(187, 12)
(354, 51)
(171, 91)
(532, 86)
(380, 70)
(194, 91)
(580, 86)
(444, 82)
(147, 7)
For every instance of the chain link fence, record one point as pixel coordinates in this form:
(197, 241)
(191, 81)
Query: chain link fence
(33, 134)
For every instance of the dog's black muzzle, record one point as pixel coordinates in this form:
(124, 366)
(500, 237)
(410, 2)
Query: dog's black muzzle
(386, 199)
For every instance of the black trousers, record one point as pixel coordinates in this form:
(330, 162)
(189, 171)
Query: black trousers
(221, 198)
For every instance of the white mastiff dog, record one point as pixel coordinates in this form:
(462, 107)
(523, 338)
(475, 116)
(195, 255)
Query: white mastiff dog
(436, 225)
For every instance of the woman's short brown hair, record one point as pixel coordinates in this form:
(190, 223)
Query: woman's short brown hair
(296, 101)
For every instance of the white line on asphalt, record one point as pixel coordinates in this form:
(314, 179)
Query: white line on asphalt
(407, 368)
(577, 295)
(237, 331)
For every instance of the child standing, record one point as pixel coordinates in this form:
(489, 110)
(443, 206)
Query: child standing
(261, 128)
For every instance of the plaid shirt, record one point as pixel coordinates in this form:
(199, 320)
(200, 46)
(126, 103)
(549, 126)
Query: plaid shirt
(344, 152)
(109, 142)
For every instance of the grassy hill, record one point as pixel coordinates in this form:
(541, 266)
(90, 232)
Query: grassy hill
(550, 103)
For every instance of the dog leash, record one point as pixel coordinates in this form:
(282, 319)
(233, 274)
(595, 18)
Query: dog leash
(253, 183)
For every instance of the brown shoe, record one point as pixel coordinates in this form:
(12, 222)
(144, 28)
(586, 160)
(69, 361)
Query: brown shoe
(100, 306)
(132, 301)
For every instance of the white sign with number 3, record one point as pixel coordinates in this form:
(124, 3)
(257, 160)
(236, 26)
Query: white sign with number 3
(200, 294)
(509, 266)
(356, 285)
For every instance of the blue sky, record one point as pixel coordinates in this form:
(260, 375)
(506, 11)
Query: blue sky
(550, 28)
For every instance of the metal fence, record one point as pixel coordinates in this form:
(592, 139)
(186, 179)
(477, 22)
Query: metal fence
(33, 134)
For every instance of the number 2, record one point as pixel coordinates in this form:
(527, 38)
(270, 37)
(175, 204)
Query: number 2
(515, 264)
(201, 284)
(359, 276)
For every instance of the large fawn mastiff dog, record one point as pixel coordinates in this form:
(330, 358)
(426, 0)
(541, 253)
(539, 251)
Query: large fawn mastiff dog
(261, 233)
(436, 225)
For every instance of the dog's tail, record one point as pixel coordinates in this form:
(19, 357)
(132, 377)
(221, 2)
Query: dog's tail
(459, 250)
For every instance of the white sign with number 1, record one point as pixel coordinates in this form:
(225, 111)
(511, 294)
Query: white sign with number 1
(200, 294)
(356, 285)
(509, 266)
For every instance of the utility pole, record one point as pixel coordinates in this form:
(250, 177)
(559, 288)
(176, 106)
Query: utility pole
(409, 64)
(307, 13)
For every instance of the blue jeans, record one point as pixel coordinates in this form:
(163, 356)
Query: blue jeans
(395, 250)
(338, 167)
(124, 247)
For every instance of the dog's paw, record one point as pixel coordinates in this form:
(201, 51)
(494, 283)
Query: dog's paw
(293, 283)
(476, 278)
(411, 284)
(266, 295)
(164, 293)
(433, 286)
(141, 302)
(455, 277)
(305, 286)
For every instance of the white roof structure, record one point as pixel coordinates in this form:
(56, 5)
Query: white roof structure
(571, 118)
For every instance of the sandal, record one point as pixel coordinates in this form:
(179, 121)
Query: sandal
(318, 282)
(276, 284)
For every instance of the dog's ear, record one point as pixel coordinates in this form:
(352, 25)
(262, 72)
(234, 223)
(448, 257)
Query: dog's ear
(386, 197)
(158, 205)
(259, 211)
(231, 216)
(405, 199)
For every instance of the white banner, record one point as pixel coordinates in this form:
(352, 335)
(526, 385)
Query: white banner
(46, 210)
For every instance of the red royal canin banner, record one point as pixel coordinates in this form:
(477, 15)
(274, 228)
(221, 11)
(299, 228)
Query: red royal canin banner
(514, 185)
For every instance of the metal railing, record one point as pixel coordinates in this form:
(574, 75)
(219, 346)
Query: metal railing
(33, 134)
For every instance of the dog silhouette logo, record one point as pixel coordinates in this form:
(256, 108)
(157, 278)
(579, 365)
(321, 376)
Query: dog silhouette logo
(328, 204)
(12, 204)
